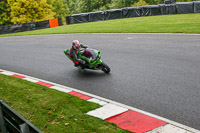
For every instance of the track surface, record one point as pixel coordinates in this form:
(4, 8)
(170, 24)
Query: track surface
(157, 73)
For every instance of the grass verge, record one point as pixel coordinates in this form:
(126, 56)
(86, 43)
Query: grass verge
(179, 23)
(50, 110)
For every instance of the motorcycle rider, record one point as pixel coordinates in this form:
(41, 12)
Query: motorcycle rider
(75, 49)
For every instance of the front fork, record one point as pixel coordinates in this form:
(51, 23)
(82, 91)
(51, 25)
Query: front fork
(99, 66)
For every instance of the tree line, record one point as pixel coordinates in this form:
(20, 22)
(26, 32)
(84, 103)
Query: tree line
(22, 11)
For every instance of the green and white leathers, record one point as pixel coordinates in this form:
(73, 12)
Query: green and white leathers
(92, 60)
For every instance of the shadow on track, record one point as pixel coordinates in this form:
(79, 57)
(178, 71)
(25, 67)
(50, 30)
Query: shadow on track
(90, 74)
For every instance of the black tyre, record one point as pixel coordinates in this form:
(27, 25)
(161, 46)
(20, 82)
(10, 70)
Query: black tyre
(105, 68)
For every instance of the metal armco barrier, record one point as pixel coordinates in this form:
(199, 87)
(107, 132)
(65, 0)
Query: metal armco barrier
(12, 122)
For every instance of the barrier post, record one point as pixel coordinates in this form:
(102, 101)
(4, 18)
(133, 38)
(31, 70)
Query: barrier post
(68, 20)
(53, 22)
(2, 123)
(24, 128)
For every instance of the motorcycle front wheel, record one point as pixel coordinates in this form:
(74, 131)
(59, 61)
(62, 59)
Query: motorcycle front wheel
(105, 68)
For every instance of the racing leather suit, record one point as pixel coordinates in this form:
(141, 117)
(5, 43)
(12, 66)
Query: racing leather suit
(74, 53)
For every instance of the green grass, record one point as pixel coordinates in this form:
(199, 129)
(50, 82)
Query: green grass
(50, 110)
(183, 23)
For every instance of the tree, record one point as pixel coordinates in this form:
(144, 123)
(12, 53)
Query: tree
(140, 3)
(121, 3)
(4, 13)
(60, 8)
(30, 11)
(116, 4)
(71, 4)
(81, 6)
(99, 5)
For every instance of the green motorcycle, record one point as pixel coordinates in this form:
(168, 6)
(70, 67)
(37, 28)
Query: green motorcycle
(92, 59)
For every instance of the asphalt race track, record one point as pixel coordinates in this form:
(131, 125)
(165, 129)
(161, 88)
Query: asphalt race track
(157, 73)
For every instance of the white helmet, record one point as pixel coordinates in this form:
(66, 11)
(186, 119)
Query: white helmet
(76, 44)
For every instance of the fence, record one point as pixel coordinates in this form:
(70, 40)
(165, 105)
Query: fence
(30, 26)
(151, 10)
(12, 122)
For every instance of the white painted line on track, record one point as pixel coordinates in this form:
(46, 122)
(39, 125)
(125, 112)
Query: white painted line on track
(31, 80)
(100, 102)
(107, 111)
(168, 129)
(61, 89)
(7, 73)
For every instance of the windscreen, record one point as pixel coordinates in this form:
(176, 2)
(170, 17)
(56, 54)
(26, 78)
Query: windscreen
(90, 53)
